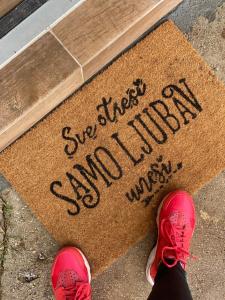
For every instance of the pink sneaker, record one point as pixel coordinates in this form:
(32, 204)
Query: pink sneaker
(176, 223)
(71, 275)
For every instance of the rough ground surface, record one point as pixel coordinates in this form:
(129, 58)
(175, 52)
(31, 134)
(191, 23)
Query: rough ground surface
(27, 250)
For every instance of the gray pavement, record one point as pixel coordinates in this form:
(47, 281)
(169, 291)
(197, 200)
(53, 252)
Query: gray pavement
(27, 250)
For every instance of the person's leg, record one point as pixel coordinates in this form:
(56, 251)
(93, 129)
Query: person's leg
(166, 265)
(170, 284)
(71, 275)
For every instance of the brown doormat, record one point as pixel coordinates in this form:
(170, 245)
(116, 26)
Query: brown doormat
(95, 169)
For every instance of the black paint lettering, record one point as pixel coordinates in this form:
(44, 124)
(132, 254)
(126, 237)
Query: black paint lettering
(125, 103)
(133, 97)
(118, 109)
(89, 201)
(163, 139)
(140, 86)
(139, 189)
(148, 148)
(80, 139)
(102, 120)
(147, 200)
(57, 184)
(90, 175)
(69, 149)
(76, 185)
(167, 169)
(105, 151)
(168, 118)
(135, 161)
(184, 110)
(92, 172)
(168, 92)
(105, 106)
(159, 176)
(91, 131)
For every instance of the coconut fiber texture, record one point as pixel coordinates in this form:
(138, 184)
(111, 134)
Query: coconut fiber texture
(95, 169)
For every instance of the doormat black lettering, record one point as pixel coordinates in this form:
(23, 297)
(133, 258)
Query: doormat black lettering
(153, 125)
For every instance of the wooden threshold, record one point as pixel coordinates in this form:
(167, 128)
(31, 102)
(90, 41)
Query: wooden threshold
(59, 62)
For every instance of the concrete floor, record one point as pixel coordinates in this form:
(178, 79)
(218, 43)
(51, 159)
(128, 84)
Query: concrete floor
(27, 249)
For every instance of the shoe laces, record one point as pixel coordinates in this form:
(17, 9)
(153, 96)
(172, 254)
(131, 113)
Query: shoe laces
(69, 293)
(79, 291)
(70, 287)
(175, 236)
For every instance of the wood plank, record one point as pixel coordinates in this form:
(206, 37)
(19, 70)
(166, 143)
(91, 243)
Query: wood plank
(33, 84)
(107, 28)
(6, 6)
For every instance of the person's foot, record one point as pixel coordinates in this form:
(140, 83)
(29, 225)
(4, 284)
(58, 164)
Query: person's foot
(176, 223)
(71, 275)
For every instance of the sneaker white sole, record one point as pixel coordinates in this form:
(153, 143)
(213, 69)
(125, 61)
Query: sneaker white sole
(86, 265)
(153, 252)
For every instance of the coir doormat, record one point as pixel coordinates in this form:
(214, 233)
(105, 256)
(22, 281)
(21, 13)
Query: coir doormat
(95, 169)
